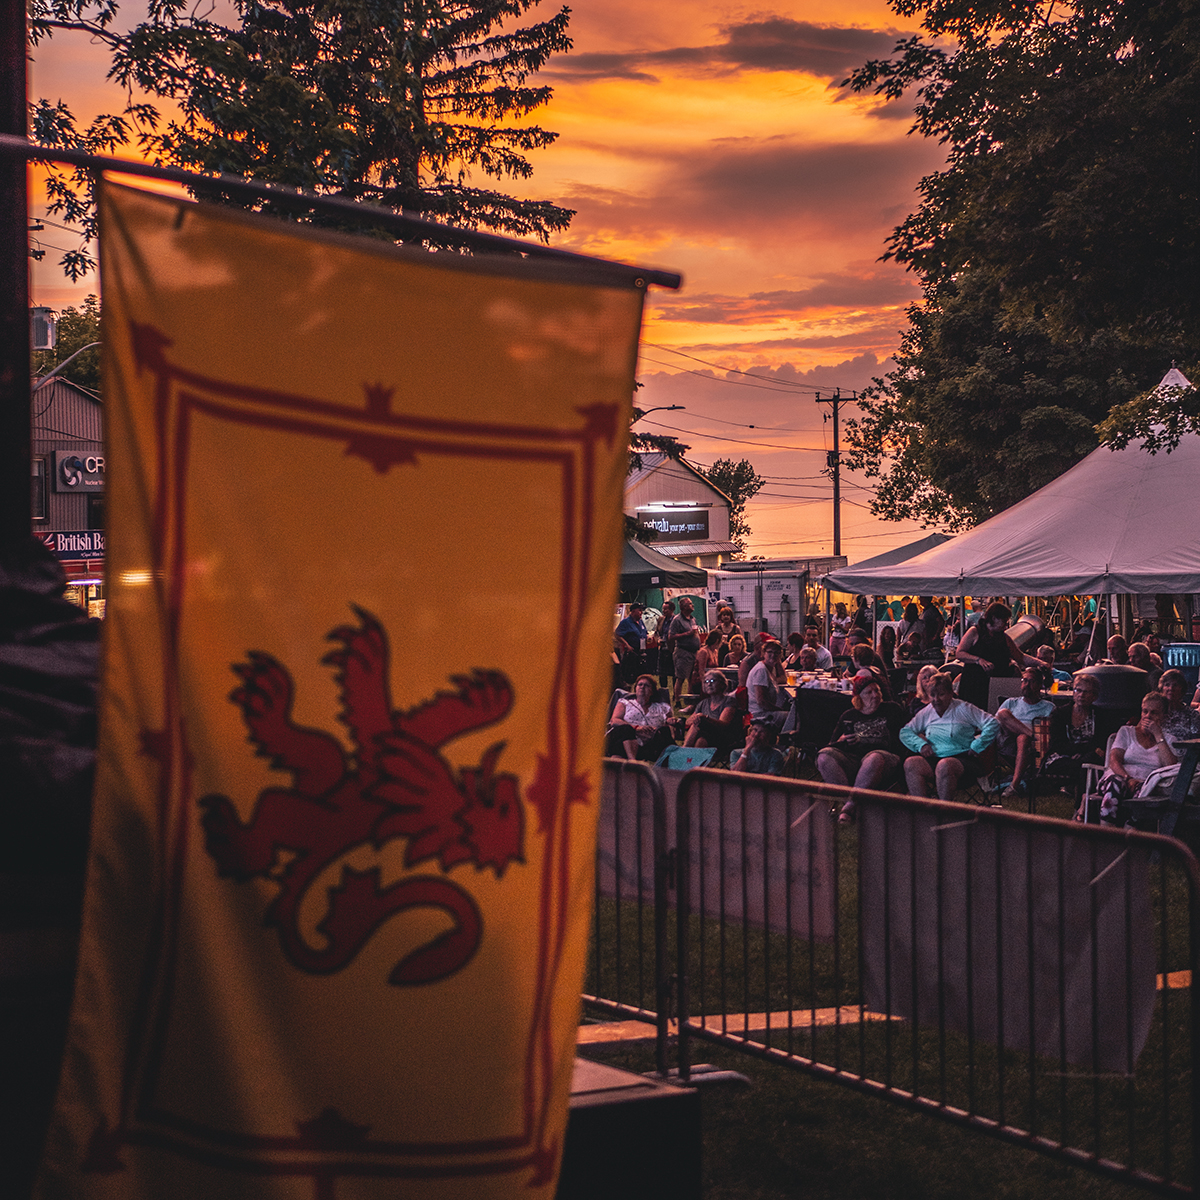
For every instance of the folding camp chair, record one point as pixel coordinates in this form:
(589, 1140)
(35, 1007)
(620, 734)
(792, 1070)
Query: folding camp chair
(1090, 800)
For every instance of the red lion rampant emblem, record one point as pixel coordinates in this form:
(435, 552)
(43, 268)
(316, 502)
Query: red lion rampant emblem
(395, 783)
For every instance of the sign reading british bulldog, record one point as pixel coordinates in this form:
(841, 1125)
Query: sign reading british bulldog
(364, 513)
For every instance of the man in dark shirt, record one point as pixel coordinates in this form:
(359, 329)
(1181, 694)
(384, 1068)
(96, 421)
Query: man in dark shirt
(632, 632)
(665, 658)
(933, 621)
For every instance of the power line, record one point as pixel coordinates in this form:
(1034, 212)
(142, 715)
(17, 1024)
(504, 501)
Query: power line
(782, 384)
(852, 537)
(65, 228)
(737, 441)
(712, 378)
(742, 424)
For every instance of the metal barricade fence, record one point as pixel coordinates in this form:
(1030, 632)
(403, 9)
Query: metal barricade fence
(628, 971)
(1023, 976)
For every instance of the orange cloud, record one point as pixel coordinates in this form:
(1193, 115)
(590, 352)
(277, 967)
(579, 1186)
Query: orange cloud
(716, 142)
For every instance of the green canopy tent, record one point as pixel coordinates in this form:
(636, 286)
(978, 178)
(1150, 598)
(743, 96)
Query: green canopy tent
(643, 568)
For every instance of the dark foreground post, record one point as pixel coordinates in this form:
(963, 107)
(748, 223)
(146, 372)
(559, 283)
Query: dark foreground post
(14, 286)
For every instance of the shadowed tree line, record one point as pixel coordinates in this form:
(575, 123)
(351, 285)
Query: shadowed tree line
(408, 104)
(1057, 250)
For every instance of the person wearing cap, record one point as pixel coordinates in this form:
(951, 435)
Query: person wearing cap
(632, 632)
(947, 738)
(761, 756)
(865, 749)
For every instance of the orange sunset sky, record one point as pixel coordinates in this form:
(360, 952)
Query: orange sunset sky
(712, 139)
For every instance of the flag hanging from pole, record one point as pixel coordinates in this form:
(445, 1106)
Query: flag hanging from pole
(364, 518)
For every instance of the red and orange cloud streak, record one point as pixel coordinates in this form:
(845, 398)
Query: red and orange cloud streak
(715, 140)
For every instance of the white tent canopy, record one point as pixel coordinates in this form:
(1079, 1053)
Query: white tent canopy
(1119, 522)
(891, 557)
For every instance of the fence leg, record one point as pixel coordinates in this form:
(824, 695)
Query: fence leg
(663, 882)
(682, 936)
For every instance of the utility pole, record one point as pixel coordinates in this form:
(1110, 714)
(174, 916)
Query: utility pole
(833, 463)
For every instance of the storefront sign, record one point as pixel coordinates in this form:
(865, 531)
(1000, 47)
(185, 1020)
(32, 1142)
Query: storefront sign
(75, 544)
(78, 472)
(683, 525)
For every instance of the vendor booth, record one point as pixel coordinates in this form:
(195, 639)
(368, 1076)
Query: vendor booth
(651, 577)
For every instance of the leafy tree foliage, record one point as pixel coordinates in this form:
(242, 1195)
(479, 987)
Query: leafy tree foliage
(741, 483)
(658, 443)
(1057, 249)
(77, 327)
(402, 103)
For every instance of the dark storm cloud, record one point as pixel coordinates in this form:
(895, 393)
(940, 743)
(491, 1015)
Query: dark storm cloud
(768, 44)
(846, 291)
(780, 180)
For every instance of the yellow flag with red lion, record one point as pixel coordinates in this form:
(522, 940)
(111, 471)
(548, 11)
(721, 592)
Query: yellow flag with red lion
(364, 519)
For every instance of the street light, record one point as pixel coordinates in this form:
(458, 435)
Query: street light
(645, 412)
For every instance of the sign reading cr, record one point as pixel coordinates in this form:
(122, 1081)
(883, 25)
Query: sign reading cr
(78, 471)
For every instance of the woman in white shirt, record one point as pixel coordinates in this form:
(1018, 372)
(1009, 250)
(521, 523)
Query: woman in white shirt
(1137, 751)
(640, 724)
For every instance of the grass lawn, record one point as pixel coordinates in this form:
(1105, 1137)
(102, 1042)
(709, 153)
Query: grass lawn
(792, 1136)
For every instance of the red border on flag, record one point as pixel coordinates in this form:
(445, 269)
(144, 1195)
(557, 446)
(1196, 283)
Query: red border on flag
(387, 440)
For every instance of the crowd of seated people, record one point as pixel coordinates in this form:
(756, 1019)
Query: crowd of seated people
(934, 734)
